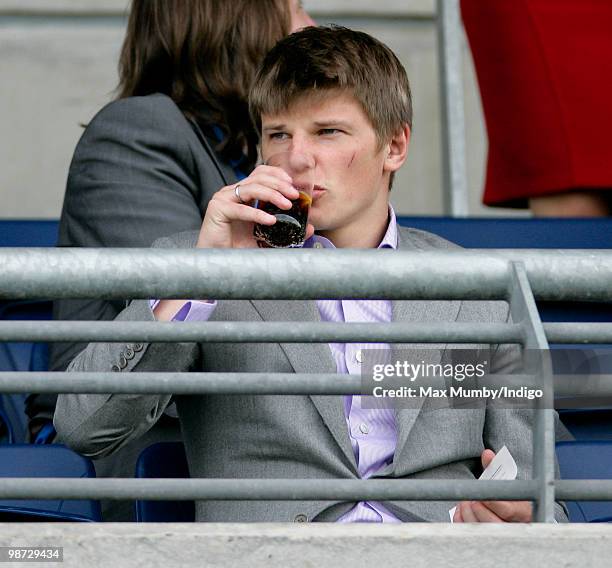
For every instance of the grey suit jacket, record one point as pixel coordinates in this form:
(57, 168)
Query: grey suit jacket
(140, 171)
(294, 436)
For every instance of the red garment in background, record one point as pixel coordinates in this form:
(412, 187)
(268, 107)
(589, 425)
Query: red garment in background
(545, 74)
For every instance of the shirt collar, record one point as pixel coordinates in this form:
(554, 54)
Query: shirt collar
(388, 241)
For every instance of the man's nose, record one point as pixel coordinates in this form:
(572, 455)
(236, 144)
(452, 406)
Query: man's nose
(301, 159)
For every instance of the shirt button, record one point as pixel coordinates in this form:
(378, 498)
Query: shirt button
(138, 347)
(115, 369)
(359, 356)
(129, 353)
(318, 245)
(301, 518)
(363, 428)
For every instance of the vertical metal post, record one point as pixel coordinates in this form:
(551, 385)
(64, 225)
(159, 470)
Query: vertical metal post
(450, 58)
(524, 311)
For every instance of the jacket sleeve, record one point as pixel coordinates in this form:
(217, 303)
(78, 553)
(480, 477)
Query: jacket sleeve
(99, 425)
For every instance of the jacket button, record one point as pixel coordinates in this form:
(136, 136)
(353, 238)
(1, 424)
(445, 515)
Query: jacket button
(137, 347)
(122, 361)
(115, 369)
(301, 518)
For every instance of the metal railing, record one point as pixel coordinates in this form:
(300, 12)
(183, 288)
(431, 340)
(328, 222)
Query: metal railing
(450, 64)
(512, 275)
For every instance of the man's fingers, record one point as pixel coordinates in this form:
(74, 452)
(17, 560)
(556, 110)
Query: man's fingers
(457, 518)
(230, 212)
(249, 192)
(274, 171)
(484, 514)
(309, 231)
(511, 511)
(466, 512)
(283, 185)
(486, 458)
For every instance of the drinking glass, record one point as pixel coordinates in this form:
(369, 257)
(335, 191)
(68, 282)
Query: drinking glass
(290, 227)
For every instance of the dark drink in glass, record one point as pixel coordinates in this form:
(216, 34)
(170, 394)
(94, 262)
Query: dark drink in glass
(290, 227)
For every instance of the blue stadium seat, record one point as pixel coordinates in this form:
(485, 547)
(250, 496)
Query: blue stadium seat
(22, 357)
(7, 434)
(164, 460)
(518, 233)
(26, 460)
(588, 424)
(593, 421)
(586, 460)
(28, 233)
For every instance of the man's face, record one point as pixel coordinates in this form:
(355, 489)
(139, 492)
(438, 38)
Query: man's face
(350, 182)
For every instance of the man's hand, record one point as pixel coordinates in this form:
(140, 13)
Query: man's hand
(230, 219)
(493, 511)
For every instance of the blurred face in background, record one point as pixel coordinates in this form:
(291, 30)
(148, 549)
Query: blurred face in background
(299, 17)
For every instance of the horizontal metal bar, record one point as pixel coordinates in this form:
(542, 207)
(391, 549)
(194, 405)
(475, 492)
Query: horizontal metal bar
(584, 489)
(207, 383)
(296, 332)
(295, 489)
(586, 388)
(260, 332)
(180, 383)
(578, 332)
(299, 274)
(265, 489)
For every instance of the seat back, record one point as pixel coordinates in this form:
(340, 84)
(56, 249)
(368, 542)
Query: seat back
(22, 356)
(586, 460)
(488, 232)
(28, 460)
(164, 460)
(7, 434)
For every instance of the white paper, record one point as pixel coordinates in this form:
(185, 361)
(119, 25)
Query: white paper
(502, 467)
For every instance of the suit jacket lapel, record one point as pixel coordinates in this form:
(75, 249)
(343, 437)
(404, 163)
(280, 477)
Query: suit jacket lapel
(311, 358)
(415, 311)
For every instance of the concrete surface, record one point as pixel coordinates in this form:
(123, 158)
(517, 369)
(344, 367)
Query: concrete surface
(319, 546)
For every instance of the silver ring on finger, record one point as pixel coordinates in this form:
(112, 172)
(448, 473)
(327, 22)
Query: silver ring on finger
(237, 193)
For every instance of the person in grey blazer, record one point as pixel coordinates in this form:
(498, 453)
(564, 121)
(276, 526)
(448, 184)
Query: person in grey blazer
(316, 94)
(149, 162)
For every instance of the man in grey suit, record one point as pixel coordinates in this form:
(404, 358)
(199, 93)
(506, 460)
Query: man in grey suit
(342, 98)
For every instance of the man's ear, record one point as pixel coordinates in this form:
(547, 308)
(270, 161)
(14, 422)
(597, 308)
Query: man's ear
(397, 150)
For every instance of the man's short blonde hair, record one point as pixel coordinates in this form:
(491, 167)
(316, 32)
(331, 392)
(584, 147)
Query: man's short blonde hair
(331, 58)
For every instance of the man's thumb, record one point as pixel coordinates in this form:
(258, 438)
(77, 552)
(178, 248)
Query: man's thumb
(486, 458)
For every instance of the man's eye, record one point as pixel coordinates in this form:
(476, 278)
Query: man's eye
(328, 131)
(278, 135)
